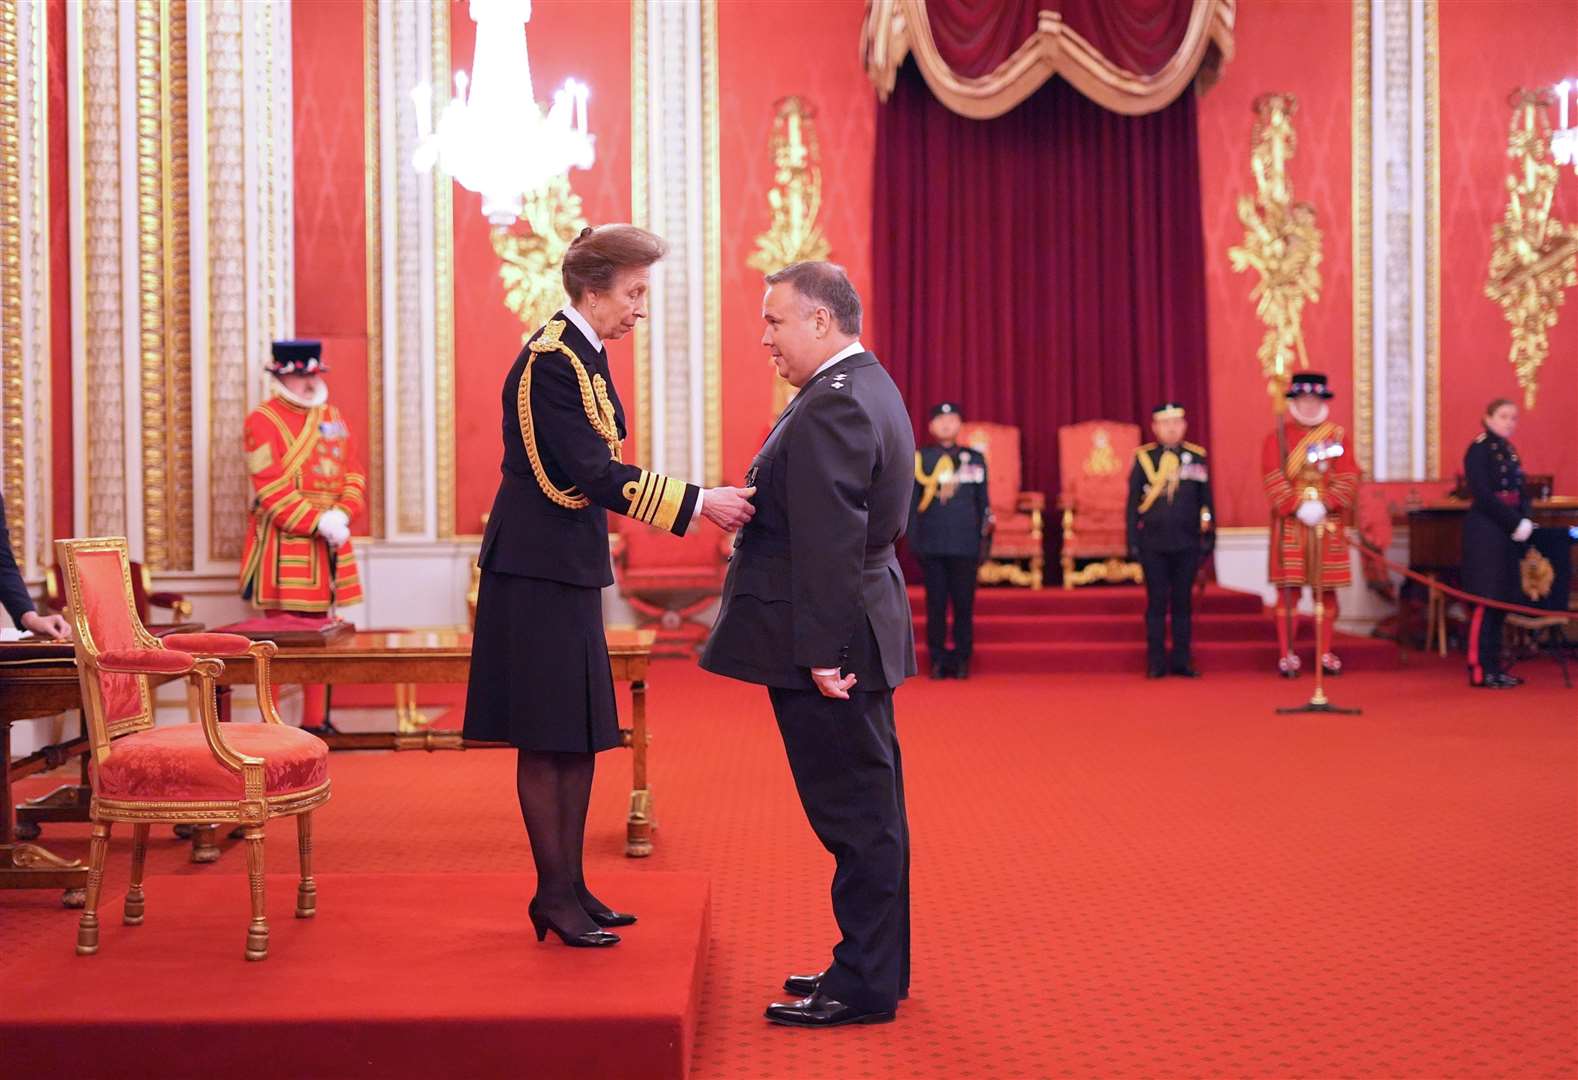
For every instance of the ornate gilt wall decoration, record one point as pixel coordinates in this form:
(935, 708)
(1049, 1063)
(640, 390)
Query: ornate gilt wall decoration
(531, 251)
(795, 199)
(408, 351)
(444, 293)
(13, 442)
(96, 260)
(1534, 256)
(32, 544)
(372, 191)
(793, 203)
(1281, 243)
(164, 283)
(229, 338)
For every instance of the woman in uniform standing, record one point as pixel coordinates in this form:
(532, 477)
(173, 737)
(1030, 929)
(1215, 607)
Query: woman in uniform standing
(540, 675)
(1496, 523)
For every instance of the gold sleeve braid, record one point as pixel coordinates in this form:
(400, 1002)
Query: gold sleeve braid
(655, 499)
(594, 401)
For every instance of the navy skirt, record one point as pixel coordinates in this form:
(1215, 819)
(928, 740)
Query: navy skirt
(540, 677)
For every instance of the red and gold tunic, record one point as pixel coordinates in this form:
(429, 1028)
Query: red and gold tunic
(302, 464)
(1319, 466)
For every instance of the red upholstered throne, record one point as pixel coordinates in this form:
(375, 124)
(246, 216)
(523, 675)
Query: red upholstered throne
(1094, 462)
(670, 581)
(1017, 554)
(194, 773)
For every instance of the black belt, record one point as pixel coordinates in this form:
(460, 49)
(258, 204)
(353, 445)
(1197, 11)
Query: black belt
(773, 547)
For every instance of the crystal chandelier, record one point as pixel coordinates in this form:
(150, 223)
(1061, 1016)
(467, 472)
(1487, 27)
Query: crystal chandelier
(492, 136)
(1564, 140)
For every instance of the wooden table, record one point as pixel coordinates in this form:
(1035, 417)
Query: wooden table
(408, 657)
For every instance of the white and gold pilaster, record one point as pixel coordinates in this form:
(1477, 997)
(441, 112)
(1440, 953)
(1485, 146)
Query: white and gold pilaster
(674, 108)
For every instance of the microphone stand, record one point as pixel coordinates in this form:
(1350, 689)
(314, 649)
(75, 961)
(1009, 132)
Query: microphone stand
(1318, 702)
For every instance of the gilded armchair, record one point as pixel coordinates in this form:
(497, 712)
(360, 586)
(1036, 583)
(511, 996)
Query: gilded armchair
(195, 773)
(670, 582)
(1094, 462)
(179, 607)
(1017, 554)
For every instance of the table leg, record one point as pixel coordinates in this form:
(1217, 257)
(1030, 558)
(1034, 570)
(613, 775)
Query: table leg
(27, 866)
(638, 830)
(69, 802)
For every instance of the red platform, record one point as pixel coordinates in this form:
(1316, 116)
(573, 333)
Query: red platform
(399, 975)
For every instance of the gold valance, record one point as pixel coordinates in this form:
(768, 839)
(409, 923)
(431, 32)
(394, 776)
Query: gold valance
(895, 29)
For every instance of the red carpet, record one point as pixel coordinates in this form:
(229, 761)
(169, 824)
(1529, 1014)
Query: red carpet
(1113, 878)
(1102, 628)
(398, 975)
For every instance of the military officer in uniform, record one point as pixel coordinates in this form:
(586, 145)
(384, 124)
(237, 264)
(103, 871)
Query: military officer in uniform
(815, 609)
(1170, 530)
(540, 673)
(1496, 524)
(949, 514)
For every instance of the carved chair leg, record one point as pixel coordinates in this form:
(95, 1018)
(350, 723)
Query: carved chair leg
(307, 891)
(1037, 571)
(132, 915)
(88, 924)
(257, 930)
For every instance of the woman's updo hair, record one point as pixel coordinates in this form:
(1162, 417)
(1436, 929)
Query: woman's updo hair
(597, 255)
(1496, 403)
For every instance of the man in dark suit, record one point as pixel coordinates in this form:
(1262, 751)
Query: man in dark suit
(815, 609)
(15, 598)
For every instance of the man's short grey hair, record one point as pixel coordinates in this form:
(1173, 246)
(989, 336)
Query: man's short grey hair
(824, 284)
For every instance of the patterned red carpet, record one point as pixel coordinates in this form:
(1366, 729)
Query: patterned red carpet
(1113, 878)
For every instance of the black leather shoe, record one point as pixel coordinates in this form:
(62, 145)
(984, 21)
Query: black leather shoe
(592, 939)
(1187, 671)
(937, 670)
(1155, 671)
(606, 918)
(1512, 679)
(961, 669)
(821, 1011)
(804, 985)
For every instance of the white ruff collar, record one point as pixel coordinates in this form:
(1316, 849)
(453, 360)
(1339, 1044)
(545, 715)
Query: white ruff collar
(313, 402)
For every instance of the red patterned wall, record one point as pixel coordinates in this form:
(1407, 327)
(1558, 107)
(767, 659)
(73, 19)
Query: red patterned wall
(590, 41)
(811, 50)
(1486, 51)
(330, 205)
(1302, 48)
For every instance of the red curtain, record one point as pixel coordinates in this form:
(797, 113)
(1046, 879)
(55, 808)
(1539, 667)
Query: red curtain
(1041, 268)
(976, 36)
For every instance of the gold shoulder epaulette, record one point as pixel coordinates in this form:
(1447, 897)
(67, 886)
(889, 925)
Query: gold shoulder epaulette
(1480, 437)
(548, 340)
(1194, 448)
(1145, 448)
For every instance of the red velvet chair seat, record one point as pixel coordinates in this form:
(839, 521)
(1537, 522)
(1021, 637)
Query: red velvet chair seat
(175, 763)
(209, 644)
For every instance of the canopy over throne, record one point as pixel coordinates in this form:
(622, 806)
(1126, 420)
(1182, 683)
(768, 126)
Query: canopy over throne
(1094, 462)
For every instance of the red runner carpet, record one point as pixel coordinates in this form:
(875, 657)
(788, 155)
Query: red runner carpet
(1112, 878)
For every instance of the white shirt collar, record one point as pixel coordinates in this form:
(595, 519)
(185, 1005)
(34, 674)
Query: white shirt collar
(852, 349)
(583, 326)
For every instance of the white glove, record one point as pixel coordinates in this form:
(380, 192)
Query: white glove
(1311, 512)
(1524, 530)
(335, 527)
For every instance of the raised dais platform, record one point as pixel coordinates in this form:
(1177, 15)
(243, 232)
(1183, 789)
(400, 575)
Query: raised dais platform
(1102, 629)
(399, 975)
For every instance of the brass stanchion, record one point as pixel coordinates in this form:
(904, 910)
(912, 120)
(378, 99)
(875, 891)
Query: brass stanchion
(1318, 702)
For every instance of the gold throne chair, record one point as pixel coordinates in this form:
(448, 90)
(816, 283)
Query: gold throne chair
(1094, 462)
(1017, 555)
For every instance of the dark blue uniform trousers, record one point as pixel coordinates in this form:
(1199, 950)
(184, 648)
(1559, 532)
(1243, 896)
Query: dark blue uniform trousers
(846, 764)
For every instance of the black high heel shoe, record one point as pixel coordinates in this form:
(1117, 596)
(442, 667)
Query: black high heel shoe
(592, 939)
(608, 917)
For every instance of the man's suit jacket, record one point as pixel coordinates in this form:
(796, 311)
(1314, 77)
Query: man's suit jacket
(814, 582)
(550, 442)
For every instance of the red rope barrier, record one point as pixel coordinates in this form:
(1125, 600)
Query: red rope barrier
(1435, 585)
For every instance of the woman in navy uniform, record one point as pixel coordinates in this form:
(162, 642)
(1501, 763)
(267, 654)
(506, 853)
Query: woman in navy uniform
(540, 676)
(1496, 525)
(949, 514)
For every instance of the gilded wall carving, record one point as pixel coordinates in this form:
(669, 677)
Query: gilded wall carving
(12, 368)
(407, 346)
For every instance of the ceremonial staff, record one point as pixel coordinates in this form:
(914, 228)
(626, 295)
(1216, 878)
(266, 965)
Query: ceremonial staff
(1318, 702)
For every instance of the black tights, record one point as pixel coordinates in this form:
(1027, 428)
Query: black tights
(555, 790)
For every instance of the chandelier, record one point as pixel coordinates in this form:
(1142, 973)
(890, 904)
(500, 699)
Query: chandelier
(1564, 140)
(492, 136)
